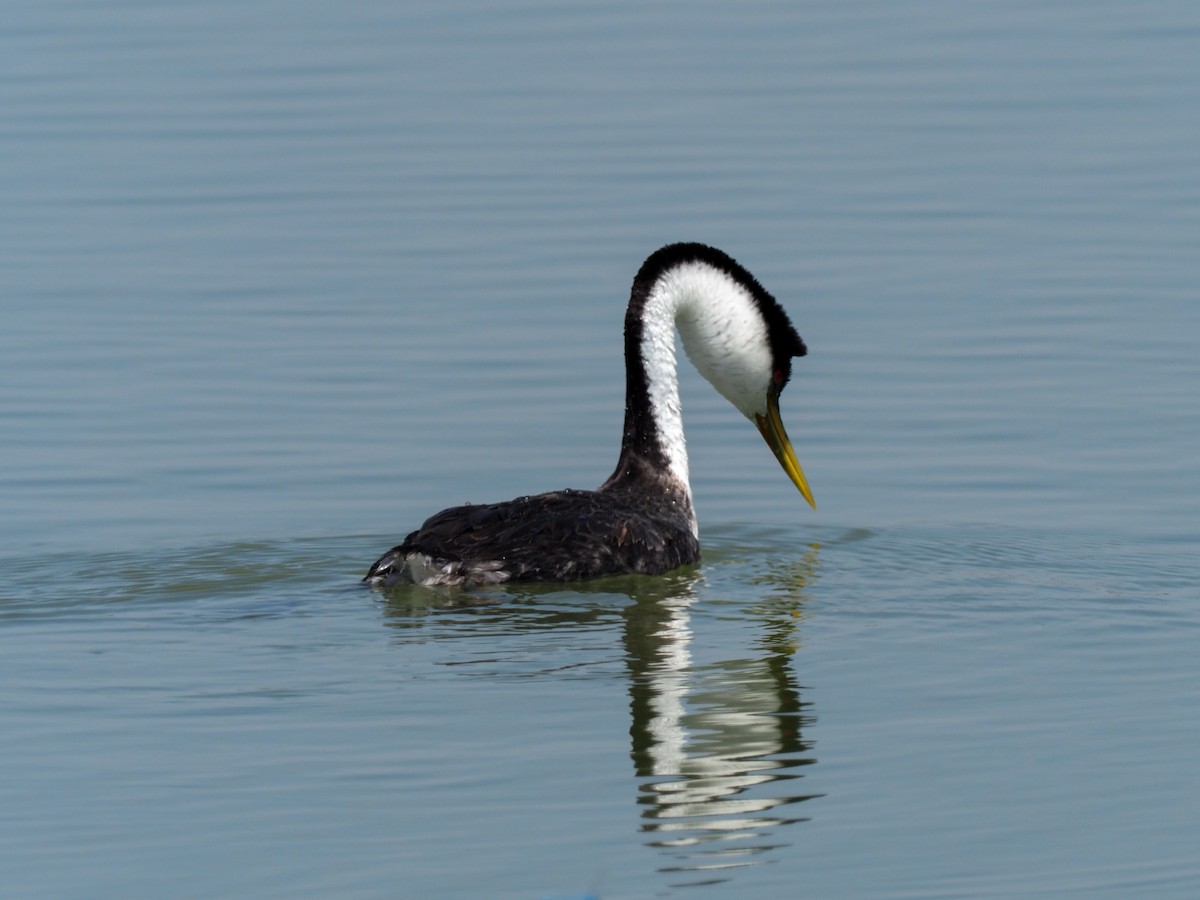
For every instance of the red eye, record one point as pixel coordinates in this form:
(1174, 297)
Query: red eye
(779, 377)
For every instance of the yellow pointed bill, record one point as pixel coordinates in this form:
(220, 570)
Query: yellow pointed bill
(773, 432)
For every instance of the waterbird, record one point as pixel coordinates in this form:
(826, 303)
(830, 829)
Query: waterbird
(640, 520)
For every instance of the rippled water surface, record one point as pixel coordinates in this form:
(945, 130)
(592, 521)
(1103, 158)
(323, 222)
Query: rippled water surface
(281, 280)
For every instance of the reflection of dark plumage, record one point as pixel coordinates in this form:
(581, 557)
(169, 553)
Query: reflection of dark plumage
(641, 520)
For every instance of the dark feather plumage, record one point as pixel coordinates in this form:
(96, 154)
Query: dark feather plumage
(565, 535)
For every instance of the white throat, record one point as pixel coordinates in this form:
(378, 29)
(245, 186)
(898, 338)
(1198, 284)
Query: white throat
(724, 336)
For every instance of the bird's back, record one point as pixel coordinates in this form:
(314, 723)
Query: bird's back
(565, 535)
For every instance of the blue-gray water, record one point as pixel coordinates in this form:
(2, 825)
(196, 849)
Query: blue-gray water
(279, 280)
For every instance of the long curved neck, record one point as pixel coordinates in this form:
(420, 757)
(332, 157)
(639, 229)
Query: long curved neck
(653, 464)
(698, 299)
(725, 334)
(734, 332)
(653, 420)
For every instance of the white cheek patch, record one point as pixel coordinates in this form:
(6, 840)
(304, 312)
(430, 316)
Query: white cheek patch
(725, 337)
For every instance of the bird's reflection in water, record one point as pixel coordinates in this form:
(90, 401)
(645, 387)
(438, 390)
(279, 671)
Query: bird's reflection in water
(718, 747)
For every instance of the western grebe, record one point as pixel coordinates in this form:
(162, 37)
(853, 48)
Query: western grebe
(641, 519)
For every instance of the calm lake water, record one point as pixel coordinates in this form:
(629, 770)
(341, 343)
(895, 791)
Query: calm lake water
(282, 279)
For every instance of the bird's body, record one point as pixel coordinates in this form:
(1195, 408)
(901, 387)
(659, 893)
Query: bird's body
(641, 520)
